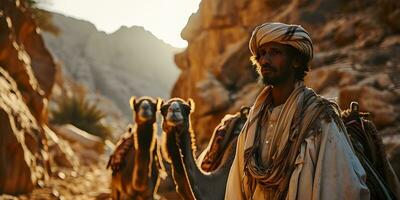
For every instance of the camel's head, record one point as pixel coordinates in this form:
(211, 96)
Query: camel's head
(224, 134)
(144, 109)
(176, 113)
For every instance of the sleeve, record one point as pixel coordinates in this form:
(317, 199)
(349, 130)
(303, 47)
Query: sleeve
(338, 172)
(234, 183)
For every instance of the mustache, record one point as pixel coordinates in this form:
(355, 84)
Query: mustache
(265, 66)
(268, 66)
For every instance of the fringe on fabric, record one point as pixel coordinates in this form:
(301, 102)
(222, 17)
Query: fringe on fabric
(275, 175)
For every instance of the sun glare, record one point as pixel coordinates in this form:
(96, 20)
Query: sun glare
(164, 18)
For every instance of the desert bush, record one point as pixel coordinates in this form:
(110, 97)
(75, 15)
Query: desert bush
(78, 111)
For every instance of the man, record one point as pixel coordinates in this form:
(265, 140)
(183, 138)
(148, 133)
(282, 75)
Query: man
(293, 145)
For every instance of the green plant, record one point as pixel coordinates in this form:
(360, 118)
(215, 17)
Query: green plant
(76, 110)
(31, 2)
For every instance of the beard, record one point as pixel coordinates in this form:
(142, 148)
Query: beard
(275, 77)
(274, 81)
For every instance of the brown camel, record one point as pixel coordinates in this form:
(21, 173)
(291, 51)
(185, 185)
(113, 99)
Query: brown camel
(191, 181)
(381, 179)
(225, 134)
(135, 160)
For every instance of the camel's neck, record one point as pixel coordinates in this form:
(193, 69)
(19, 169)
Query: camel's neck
(179, 172)
(143, 160)
(145, 136)
(201, 182)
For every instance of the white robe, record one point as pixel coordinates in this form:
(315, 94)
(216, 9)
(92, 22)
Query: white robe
(326, 168)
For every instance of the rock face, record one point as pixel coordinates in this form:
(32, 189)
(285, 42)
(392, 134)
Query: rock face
(356, 47)
(23, 149)
(27, 74)
(130, 61)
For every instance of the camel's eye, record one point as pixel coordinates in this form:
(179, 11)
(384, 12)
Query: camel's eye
(164, 109)
(186, 108)
(136, 106)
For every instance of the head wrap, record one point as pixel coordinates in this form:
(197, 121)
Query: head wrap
(290, 34)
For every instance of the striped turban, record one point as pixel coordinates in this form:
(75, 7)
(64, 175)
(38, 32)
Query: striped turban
(290, 34)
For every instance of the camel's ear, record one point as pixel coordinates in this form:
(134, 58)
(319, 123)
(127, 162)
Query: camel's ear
(244, 111)
(132, 102)
(160, 103)
(191, 104)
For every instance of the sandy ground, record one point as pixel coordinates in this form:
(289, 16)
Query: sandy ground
(88, 183)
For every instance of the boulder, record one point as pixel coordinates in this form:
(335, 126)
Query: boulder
(234, 70)
(390, 41)
(336, 75)
(86, 156)
(214, 97)
(389, 11)
(377, 102)
(322, 77)
(392, 148)
(75, 135)
(345, 34)
(60, 151)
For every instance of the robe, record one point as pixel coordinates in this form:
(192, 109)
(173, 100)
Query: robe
(326, 167)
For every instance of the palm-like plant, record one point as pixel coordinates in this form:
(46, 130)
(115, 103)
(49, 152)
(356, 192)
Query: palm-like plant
(76, 110)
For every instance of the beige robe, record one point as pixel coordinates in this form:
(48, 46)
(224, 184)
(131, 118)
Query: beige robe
(326, 168)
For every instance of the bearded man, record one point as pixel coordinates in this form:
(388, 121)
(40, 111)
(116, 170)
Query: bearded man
(294, 144)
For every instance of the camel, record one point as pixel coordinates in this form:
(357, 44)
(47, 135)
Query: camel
(194, 183)
(381, 179)
(191, 181)
(135, 173)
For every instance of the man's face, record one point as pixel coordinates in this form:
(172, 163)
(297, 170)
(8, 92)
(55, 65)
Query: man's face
(274, 63)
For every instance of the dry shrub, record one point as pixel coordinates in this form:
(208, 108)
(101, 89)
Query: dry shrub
(78, 111)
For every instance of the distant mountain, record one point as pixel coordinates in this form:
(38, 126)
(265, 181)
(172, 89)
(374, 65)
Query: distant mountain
(130, 61)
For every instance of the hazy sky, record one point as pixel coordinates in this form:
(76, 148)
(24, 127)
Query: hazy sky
(164, 18)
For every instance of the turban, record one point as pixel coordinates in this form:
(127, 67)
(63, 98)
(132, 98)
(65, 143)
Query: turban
(290, 34)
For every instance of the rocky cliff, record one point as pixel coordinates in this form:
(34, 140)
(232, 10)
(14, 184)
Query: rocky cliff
(357, 49)
(27, 73)
(34, 160)
(130, 61)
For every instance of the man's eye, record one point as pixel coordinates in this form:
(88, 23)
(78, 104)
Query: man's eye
(274, 52)
(261, 53)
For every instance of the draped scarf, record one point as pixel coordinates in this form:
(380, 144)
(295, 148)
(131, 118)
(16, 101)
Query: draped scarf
(294, 123)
